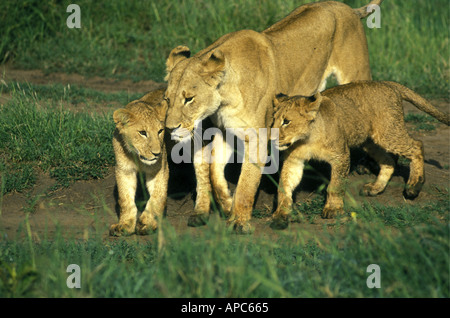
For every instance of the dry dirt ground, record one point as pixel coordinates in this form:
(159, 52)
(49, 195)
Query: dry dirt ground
(87, 208)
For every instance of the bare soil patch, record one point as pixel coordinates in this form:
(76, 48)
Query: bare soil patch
(87, 208)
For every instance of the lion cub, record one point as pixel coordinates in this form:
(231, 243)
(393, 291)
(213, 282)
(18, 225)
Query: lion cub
(325, 127)
(139, 147)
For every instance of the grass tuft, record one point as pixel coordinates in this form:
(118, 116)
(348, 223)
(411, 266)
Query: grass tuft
(70, 146)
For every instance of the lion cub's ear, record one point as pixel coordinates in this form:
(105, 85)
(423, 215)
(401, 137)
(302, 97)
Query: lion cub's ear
(177, 55)
(279, 99)
(122, 117)
(312, 105)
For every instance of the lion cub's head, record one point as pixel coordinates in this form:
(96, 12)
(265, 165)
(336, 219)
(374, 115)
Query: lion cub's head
(294, 116)
(141, 125)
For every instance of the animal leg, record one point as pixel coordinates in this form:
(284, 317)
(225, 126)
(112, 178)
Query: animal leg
(203, 201)
(387, 165)
(334, 205)
(221, 153)
(290, 178)
(126, 186)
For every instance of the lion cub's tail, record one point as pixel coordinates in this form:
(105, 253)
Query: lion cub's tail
(420, 102)
(362, 12)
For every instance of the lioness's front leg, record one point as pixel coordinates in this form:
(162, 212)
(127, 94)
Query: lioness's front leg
(221, 153)
(203, 201)
(334, 205)
(157, 187)
(249, 179)
(126, 187)
(244, 197)
(290, 178)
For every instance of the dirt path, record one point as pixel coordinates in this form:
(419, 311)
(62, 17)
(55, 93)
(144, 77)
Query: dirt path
(87, 208)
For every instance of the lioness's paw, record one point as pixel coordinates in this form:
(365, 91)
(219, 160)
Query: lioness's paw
(146, 228)
(241, 228)
(120, 229)
(280, 222)
(331, 213)
(197, 220)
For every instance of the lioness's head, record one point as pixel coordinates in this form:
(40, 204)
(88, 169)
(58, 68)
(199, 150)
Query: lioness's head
(192, 93)
(294, 116)
(141, 125)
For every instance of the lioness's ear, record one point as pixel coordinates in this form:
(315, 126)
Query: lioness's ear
(214, 64)
(313, 105)
(122, 117)
(161, 110)
(178, 54)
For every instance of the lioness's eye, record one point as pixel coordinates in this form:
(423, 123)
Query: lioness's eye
(143, 133)
(160, 131)
(286, 122)
(188, 100)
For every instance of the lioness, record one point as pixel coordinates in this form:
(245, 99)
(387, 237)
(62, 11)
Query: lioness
(327, 125)
(139, 147)
(234, 81)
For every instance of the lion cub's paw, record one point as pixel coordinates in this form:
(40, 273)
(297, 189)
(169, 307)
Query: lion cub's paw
(121, 229)
(199, 219)
(331, 213)
(412, 192)
(280, 222)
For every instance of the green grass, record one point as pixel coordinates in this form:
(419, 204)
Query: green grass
(36, 134)
(132, 39)
(422, 121)
(414, 263)
(73, 94)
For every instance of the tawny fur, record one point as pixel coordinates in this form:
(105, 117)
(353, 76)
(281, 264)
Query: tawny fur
(234, 80)
(324, 127)
(139, 147)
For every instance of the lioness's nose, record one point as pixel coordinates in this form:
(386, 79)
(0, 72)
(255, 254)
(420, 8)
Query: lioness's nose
(173, 128)
(172, 119)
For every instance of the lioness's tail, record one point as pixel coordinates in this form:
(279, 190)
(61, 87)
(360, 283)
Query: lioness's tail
(362, 12)
(420, 102)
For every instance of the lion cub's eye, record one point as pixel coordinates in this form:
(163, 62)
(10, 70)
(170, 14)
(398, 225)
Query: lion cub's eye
(286, 122)
(160, 131)
(188, 100)
(143, 133)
